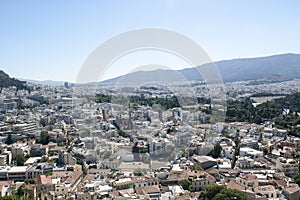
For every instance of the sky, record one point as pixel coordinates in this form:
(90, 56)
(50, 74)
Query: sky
(50, 40)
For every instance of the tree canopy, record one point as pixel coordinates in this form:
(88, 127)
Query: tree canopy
(216, 151)
(44, 138)
(219, 192)
(20, 160)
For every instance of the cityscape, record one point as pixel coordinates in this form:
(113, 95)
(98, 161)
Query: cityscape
(214, 130)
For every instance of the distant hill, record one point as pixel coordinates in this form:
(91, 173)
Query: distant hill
(280, 67)
(6, 81)
(283, 65)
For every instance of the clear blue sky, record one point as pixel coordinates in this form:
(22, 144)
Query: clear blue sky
(51, 39)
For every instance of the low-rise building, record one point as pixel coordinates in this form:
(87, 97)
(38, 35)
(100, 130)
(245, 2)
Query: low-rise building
(267, 191)
(248, 180)
(292, 192)
(200, 180)
(123, 183)
(289, 166)
(245, 163)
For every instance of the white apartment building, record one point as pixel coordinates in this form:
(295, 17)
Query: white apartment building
(289, 166)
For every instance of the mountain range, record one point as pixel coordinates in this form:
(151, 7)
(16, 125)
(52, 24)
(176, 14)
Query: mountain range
(279, 67)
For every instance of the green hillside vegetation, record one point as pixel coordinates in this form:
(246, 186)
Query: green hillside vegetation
(242, 110)
(6, 81)
(164, 103)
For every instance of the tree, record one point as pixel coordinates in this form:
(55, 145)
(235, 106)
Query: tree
(197, 167)
(265, 150)
(216, 152)
(9, 139)
(44, 138)
(186, 184)
(20, 191)
(233, 194)
(122, 133)
(212, 190)
(139, 172)
(220, 196)
(297, 179)
(20, 160)
(219, 192)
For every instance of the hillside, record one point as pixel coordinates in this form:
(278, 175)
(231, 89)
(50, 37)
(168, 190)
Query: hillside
(6, 81)
(284, 66)
(279, 67)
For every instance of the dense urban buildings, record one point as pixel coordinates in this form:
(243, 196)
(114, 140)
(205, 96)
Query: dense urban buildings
(62, 143)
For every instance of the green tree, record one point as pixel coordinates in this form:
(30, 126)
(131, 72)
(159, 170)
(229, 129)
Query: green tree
(233, 194)
(197, 167)
(9, 139)
(216, 151)
(297, 179)
(186, 184)
(212, 190)
(219, 192)
(122, 133)
(20, 160)
(44, 138)
(139, 172)
(265, 150)
(220, 196)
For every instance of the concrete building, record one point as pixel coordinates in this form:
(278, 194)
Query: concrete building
(246, 151)
(289, 166)
(66, 158)
(267, 191)
(205, 161)
(123, 183)
(245, 163)
(200, 180)
(248, 180)
(292, 192)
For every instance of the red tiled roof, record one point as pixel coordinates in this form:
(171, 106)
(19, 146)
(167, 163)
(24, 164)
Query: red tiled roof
(234, 185)
(147, 190)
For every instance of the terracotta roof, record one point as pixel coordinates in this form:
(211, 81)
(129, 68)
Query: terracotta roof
(212, 171)
(234, 185)
(200, 174)
(68, 177)
(147, 190)
(185, 196)
(281, 183)
(88, 178)
(248, 177)
(292, 189)
(45, 180)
